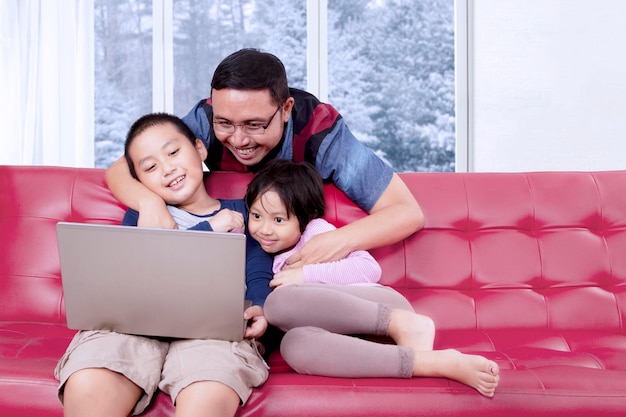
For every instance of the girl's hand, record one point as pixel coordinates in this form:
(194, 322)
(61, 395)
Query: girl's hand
(288, 277)
(227, 221)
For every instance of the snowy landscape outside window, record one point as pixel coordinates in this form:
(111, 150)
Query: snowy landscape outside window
(390, 67)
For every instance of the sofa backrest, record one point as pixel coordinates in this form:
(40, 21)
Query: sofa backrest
(499, 250)
(518, 250)
(33, 199)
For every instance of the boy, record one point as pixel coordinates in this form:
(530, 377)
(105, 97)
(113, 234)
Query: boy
(111, 374)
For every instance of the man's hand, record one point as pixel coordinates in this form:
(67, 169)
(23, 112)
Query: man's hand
(227, 220)
(288, 277)
(325, 247)
(153, 213)
(258, 322)
(395, 216)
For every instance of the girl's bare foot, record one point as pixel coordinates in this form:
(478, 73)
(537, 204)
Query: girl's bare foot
(412, 330)
(475, 371)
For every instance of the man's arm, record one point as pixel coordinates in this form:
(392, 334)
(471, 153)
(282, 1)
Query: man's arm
(133, 194)
(395, 216)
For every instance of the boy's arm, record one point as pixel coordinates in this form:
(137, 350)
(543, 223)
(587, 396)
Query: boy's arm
(258, 272)
(133, 194)
(258, 276)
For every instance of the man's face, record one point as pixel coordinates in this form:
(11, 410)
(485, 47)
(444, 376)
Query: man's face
(253, 108)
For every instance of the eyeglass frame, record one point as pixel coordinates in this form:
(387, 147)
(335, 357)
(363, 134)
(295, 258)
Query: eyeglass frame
(243, 126)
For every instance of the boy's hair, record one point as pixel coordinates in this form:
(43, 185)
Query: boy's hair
(298, 185)
(150, 120)
(251, 69)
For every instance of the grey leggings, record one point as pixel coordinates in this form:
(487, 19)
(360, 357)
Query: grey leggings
(318, 320)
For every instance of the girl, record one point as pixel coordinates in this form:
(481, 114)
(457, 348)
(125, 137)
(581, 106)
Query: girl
(320, 305)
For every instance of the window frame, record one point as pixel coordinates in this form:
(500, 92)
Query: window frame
(317, 65)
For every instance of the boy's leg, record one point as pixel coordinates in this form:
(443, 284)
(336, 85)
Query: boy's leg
(99, 392)
(211, 375)
(98, 365)
(207, 398)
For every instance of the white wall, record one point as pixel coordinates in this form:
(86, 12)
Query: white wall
(547, 85)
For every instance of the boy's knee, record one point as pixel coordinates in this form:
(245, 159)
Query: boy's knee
(98, 382)
(83, 382)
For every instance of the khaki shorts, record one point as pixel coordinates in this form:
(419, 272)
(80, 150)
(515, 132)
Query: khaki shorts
(153, 363)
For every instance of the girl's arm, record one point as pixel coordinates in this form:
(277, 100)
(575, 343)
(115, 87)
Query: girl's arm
(359, 267)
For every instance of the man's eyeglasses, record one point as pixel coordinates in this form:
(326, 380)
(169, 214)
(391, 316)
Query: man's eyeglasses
(250, 128)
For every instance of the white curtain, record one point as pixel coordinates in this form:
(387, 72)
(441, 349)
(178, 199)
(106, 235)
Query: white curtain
(46, 82)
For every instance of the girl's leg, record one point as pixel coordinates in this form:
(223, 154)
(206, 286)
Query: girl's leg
(207, 398)
(315, 351)
(320, 316)
(311, 350)
(99, 392)
(475, 371)
(345, 309)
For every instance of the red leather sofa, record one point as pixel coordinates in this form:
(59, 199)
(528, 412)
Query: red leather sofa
(528, 269)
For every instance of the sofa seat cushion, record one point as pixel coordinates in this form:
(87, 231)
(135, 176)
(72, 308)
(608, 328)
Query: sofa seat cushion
(28, 354)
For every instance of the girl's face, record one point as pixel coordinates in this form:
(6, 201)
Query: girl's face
(271, 226)
(169, 165)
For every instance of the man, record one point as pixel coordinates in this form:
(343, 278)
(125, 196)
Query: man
(252, 116)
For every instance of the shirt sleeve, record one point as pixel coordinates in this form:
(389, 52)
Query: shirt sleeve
(258, 262)
(131, 218)
(363, 176)
(357, 268)
(203, 226)
(197, 121)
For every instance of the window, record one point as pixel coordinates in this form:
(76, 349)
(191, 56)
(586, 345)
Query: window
(390, 66)
(123, 72)
(391, 75)
(206, 31)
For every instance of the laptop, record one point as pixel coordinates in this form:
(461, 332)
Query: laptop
(153, 282)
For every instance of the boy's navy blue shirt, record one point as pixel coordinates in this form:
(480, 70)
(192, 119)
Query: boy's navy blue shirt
(258, 262)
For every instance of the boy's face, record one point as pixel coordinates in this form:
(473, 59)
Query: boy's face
(269, 224)
(169, 165)
(240, 107)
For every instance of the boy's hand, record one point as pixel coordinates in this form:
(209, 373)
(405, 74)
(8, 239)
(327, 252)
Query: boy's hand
(258, 323)
(227, 220)
(288, 277)
(153, 213)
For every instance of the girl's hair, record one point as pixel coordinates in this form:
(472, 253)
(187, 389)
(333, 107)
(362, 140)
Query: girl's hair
(146, 122)
(298, 185)
(251, 69)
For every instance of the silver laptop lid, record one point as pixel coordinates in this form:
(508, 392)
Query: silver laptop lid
(153, 282)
